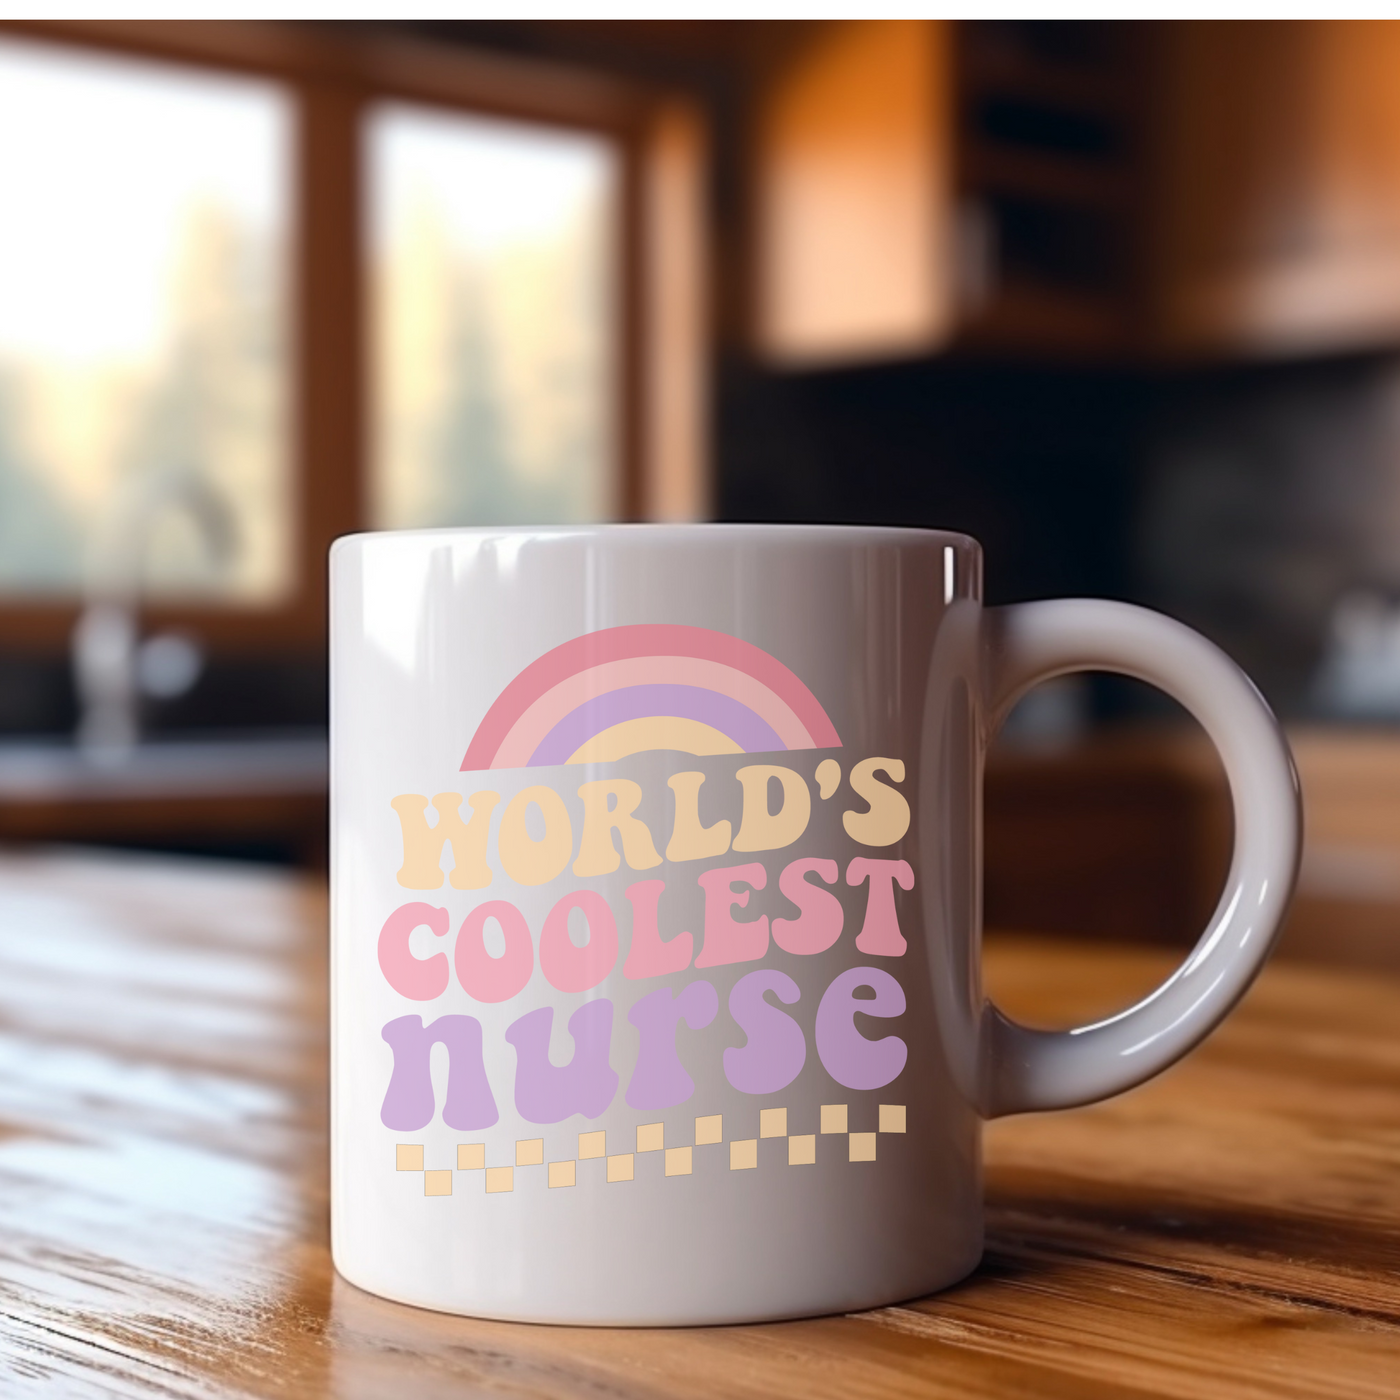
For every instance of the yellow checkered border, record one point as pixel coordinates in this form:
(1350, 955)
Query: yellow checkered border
(651, 1137)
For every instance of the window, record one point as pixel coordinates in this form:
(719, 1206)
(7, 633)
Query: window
(143, 328)
(494, 364)
(262, 284)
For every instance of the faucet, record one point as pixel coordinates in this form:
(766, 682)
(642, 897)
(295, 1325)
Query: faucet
(112, 667)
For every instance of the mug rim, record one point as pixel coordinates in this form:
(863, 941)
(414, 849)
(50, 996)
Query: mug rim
(681, 532)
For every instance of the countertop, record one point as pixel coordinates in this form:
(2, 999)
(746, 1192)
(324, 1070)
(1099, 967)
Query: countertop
(210, 790)
(230, 765)
(1232, 1229)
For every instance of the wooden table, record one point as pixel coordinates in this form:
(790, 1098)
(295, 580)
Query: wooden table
(1231, 1230)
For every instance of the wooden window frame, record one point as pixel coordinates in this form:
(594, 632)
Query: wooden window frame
(333, 72)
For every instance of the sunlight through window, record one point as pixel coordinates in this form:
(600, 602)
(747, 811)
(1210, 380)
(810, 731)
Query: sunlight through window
(494, 344)
(143, 327)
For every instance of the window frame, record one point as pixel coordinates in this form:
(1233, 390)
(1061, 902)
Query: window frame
(333, 73)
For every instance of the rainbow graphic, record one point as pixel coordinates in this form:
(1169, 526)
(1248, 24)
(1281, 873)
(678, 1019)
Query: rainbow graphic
(626, 690)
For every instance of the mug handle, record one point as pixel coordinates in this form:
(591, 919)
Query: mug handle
(1023, 1070)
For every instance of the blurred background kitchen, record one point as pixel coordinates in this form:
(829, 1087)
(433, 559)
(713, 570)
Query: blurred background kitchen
(1120, 299)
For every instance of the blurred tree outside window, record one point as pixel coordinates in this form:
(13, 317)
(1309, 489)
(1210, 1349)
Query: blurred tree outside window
(494, 344)
(145, 216)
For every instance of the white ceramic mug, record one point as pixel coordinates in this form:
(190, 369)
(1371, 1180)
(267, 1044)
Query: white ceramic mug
(655, 914)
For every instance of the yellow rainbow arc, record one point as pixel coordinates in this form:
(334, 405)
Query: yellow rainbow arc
(653, 732)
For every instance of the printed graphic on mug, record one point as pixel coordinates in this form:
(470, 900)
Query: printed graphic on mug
(650, 839)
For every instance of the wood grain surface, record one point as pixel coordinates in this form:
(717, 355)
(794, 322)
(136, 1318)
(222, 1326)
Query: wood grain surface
(1230, 1230)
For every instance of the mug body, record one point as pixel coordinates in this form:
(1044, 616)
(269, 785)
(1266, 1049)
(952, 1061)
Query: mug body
(654, 919)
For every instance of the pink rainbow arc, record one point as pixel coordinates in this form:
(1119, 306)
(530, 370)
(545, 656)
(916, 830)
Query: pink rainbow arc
(608, 691)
